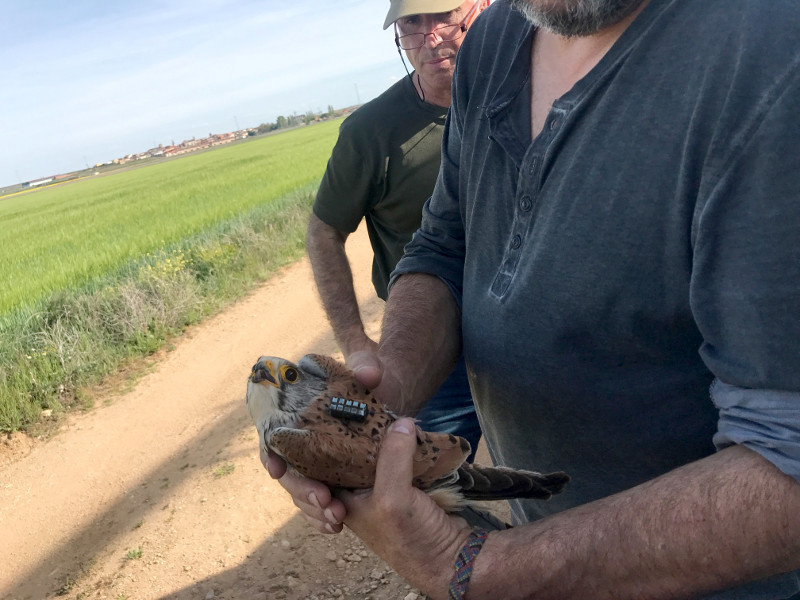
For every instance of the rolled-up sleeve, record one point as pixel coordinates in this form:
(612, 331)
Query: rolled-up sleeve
(766, 421)
(746, 282)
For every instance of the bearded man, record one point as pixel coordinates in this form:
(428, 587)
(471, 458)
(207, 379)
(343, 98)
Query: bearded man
(613, 241)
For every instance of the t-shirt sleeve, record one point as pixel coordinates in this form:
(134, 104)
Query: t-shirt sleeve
(350, 184)
(745, 289)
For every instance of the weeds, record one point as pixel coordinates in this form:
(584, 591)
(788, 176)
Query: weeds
(65, 589)
(134, 554)
(224, 470)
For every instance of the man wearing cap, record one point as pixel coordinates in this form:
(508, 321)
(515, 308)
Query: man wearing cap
(382, 169)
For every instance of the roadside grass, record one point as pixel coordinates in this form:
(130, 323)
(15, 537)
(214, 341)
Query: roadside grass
(76, 336)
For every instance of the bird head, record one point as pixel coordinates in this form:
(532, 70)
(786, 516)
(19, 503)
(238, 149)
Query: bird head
(279, 390)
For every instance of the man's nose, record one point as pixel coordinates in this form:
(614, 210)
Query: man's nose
(432, 39)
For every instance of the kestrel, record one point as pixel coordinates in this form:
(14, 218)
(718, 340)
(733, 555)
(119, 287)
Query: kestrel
(329, 427)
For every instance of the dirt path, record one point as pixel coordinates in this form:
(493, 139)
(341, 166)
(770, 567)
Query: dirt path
(161, 493)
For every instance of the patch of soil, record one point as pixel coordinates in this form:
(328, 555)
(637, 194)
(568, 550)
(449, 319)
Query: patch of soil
(158, 492)
(14, 446)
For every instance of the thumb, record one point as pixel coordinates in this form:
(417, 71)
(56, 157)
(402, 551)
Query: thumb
(396, 459)
(366, 367)
(274, 464)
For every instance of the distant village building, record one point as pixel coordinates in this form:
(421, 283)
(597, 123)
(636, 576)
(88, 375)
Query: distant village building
(203, 143)
(36, 182)
(189, 146)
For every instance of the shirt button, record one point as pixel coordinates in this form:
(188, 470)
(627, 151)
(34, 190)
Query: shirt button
(525, 203)
(553, 124)
(516, 242)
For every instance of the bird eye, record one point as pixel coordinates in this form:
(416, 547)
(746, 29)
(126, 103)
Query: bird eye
(290, 374)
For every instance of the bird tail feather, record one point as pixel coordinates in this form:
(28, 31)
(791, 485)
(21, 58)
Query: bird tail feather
(477, 482)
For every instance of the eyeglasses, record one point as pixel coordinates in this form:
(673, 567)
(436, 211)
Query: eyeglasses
(444, 33)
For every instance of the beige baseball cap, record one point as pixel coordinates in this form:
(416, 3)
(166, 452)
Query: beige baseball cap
(403, 8)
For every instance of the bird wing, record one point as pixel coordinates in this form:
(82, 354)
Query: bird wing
(438, 455)
(343, 452)
(327, 457)
(337, 457)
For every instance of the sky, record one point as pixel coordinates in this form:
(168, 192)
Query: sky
(86, 81)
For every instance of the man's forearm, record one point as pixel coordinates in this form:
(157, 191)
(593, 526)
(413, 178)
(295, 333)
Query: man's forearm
(716, 523)
(421, 337)
(334, 279)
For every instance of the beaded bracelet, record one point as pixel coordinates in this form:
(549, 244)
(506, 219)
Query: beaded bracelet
(466, 556)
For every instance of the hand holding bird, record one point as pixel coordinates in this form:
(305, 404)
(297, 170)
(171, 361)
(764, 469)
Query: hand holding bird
(329, 427)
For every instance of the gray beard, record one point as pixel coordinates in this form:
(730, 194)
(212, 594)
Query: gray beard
(575, 18)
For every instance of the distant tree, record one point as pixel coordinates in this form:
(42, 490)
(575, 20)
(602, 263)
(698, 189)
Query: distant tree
(331, 112)
(309, 117)
(265, 127)
(281, 122)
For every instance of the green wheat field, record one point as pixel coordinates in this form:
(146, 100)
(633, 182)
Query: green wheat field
(108, 268)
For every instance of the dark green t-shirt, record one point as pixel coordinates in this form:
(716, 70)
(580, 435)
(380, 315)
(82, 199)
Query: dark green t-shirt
(383, 168)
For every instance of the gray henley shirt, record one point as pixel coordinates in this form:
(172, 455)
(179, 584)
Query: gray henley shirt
(639, 252)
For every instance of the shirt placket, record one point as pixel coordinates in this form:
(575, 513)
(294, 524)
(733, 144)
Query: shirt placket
(528, 189)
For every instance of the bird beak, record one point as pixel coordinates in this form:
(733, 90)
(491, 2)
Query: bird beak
(263, 372)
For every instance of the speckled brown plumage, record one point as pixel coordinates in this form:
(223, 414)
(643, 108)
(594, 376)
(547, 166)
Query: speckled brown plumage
(291, 407)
